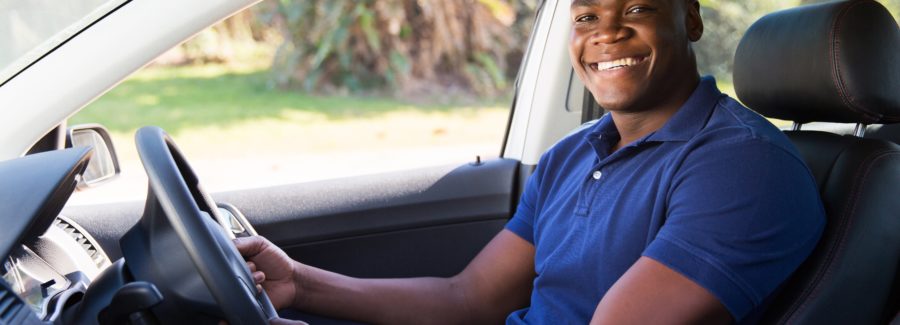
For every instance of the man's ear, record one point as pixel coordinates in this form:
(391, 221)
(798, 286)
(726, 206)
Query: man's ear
(694, 23)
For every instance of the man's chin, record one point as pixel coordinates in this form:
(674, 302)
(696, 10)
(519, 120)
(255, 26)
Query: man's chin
(631, 98)
(616, 103)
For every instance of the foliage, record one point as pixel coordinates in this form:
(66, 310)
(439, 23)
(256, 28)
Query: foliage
(724, 24)
(236, 40)
(411, 46)
(183, 98)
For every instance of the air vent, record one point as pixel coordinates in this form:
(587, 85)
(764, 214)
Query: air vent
(89, 246)
(10, 305)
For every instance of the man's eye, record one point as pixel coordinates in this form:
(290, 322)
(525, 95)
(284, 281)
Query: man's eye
(585, 18)
(639, 10)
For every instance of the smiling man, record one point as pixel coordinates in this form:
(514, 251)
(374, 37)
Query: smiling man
(679, 206)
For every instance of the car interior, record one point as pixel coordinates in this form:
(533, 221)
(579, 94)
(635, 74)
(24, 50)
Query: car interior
(835, 62)
(169, 260)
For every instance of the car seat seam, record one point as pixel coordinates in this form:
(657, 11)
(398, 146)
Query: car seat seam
(835, 54)
(846, 221)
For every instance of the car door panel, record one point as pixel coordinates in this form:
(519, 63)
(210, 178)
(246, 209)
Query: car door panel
(429, 251)
(428, 221)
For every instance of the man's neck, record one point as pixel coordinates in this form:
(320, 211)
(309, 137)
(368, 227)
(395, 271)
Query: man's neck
(633, 125)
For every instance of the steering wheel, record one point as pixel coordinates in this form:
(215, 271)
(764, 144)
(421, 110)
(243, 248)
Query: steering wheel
(175, 192)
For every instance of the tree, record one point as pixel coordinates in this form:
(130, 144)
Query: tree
(403, 46)
(725, 23)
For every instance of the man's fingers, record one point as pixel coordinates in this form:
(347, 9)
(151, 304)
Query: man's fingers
(282, 321)
(252, 266)
(259, 277)
(249, 246)
(259, 288)
(276, 321)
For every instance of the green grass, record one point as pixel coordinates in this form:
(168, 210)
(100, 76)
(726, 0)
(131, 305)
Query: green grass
(183, 98)
(241, 134)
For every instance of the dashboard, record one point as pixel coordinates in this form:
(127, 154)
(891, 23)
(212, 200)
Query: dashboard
(58, 264)
(46, 260)
(33, 279)
(53, 271)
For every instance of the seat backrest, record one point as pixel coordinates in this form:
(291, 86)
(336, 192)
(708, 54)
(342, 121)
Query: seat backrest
(889, 132)
(848, 278)
(835, 62)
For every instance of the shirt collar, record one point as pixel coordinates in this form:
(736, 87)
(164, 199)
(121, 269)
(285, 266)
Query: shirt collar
(683, 125)
(692, 116)
(603, 136)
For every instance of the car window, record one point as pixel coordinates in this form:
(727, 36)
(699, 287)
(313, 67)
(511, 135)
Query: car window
(30, 29)
(248, 113)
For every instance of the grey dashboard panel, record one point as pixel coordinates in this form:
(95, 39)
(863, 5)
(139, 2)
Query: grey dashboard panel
(106, 222)
(305, 213)
(34, 190)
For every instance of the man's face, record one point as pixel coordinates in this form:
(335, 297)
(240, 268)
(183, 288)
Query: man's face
(631, 54)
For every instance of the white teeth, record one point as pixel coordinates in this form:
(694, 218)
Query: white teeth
(616, 64)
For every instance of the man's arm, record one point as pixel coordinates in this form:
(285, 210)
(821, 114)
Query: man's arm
(495, 283)
(651, 293)
(741, 216)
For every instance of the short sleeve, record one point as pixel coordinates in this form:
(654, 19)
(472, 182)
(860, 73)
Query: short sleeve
(522, 222)
(741, 218)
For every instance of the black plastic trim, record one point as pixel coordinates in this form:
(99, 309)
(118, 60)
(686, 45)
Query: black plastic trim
(36, 189)
(55, 139)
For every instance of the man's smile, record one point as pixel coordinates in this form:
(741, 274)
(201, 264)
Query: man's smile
(617, 64)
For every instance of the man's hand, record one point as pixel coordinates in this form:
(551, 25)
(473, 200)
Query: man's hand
(277, 321)
(271, 268)
(282, 321)
(494, 284)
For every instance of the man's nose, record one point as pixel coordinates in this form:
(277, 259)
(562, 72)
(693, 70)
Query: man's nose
(609, 30)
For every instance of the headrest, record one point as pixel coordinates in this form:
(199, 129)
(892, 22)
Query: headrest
(831, 62)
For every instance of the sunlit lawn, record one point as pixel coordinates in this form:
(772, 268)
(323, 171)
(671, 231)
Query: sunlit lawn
(236, 105)
(239, 132)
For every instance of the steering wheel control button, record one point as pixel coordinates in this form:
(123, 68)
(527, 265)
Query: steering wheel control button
(597, 174)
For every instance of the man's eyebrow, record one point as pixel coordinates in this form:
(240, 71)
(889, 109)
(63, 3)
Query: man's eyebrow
(584, 3)
(588, 3)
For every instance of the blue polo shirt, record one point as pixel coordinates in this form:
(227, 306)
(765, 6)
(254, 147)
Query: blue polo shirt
(717, 194)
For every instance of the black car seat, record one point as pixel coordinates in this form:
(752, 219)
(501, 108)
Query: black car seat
(835, 62)
(890, 132)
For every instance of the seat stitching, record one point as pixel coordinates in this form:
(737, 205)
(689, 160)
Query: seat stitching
(845, 221)
(836, 75)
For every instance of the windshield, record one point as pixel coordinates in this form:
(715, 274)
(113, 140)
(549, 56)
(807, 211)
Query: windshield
(30, 29)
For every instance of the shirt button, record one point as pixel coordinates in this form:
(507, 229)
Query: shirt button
(597, 175)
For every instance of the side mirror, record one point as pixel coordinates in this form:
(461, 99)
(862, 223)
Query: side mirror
(104, 164)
